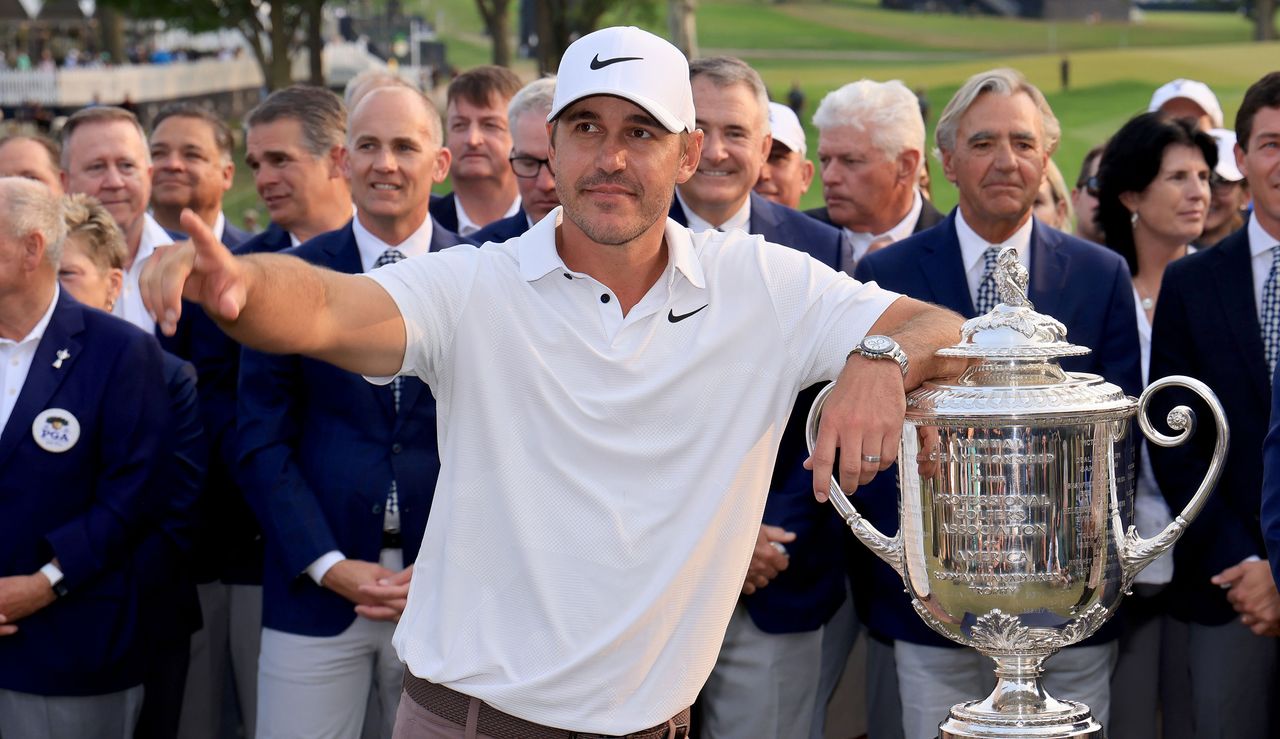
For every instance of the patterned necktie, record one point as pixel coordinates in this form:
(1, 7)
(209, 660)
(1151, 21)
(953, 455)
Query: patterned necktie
(1271, 312)
(391, 518)
(988, 296)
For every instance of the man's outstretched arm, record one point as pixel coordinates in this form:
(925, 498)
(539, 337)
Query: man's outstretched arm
(276, 303)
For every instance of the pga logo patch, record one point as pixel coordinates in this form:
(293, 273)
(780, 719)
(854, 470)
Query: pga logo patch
(56, 430)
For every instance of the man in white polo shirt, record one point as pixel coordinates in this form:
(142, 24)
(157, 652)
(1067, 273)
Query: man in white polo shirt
(611, 390)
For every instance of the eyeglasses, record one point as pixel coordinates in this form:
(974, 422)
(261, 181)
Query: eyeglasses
(1092, 186)
(528, 167)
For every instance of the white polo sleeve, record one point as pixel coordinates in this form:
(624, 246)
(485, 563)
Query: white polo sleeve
(823, 314)
(431, 291)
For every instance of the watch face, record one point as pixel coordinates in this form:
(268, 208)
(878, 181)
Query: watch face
(877, 344)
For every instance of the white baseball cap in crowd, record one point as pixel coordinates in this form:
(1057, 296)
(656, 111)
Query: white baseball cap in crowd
(627, 62)
(786, 128)
(1197, 92)
(1226, 168)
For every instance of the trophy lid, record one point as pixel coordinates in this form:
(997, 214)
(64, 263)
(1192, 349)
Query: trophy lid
(1016, 374)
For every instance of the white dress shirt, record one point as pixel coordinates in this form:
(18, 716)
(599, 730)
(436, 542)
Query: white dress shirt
(973, 247)
(15, 361)
(856, 243)
(371, 247)
(219, 226)
(740, 220)
(466, 226)
(129, 306)
(1260, 245)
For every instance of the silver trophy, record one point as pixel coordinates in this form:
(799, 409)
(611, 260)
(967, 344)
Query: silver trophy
(1011, 537)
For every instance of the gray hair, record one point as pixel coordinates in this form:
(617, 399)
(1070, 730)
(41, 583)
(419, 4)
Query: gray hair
(1002, 81)
(727, 70)
(95, 115)
(888, 110)
(27, 207)
(319, 113)
(533, 97)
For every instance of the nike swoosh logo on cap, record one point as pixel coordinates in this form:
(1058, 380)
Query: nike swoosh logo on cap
(671, 315)
(596, 62)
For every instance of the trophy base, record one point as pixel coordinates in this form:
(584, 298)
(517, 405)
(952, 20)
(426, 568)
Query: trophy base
(1062, 720)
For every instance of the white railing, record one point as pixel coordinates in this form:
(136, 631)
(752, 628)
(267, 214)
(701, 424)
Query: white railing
(140, 83)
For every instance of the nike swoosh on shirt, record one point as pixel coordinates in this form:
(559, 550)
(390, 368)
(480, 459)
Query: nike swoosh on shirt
(671, 315)
(597, 63)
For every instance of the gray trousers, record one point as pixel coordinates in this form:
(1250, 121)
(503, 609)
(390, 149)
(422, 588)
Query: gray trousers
(318, 687)
(1144, 685)
(933, 679)
(1232, 678)
(763, 685)
(883, 707)
(107, 716)
(228, 642)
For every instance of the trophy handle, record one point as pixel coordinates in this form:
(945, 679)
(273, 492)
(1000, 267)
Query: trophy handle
(887, 548)
(1138, 552)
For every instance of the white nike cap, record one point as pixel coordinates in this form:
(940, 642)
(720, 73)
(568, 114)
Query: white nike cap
(1226, 168)
(632, 64)
(786, 128)
(1197, 92)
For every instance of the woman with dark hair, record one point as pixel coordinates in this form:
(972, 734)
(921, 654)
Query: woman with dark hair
(1153, 196)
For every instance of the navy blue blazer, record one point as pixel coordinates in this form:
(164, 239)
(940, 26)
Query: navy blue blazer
(442, 209)
(89, 506)
(1206, 326)
(319, 447)
(809, 592)
(929, 216)
(500, 231)
(228, 544)
(1084, 285)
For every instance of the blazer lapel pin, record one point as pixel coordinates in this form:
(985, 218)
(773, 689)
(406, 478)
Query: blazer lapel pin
(61, 354)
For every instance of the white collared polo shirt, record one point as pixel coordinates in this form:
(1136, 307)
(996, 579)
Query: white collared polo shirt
(603, 477)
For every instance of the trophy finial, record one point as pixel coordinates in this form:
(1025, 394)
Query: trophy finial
(1011, 279)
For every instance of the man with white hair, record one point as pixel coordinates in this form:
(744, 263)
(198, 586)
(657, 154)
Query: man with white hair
(870, 152)
(614, 390)
(83, 422)
(787, 173)
(1191, 99)
(527, 119)
(996, 136)
(105, 154)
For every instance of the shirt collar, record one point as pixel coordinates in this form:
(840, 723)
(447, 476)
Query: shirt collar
(466, 226)
(1259, 240)
(973, 246)
(740, 220)
(153, 235)
(371, 247)
(37, 331)
(538, 256)
(219, 226)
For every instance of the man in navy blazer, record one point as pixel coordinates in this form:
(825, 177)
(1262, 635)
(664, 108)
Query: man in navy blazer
(527, 117)
(996, 136)
(767, 673)
(340, 472)
(83, 425)
(1209, 324)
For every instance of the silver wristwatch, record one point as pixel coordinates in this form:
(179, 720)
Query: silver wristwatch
(882, 347)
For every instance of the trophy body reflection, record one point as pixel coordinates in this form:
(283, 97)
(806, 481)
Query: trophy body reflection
(1011, 539)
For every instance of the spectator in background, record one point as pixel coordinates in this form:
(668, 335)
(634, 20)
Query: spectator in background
(1084, 197)
(1053, 202)
(1229, 192)
(527, 118)
(1154, 194)
(32, 156)
(787, 172)
(479, 137)
(1183, 98)
(870, 145)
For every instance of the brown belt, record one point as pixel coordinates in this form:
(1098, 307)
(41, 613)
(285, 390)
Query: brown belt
(453, 706)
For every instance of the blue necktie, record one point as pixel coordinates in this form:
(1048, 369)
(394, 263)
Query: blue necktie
(988, 295)
(391, 519)
(1271, 312)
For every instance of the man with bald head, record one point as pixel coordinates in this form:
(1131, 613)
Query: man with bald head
(340, 472)
(33, 157)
